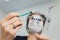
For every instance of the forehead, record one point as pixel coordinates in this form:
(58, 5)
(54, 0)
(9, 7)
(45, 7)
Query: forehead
(36, 16)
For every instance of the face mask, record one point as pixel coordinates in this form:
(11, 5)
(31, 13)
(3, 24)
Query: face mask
(35, 24)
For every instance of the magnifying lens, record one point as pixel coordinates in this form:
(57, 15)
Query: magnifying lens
(36, 21)
(36, 24)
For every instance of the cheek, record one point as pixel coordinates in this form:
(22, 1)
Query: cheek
(30, 21)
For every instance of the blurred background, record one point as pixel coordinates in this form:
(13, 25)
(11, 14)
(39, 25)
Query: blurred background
(42, 6)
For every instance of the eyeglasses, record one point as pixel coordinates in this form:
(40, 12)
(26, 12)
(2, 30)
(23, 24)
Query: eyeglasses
(38, 19)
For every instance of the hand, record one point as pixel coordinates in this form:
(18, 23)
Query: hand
(40, 37)
(10, 24)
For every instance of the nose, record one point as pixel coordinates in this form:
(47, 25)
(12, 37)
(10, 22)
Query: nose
(35, 22)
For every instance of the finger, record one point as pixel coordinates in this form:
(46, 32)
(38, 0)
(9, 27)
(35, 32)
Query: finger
(17, 28)
(10, 27)
(10, 21)
(41, 37)
(10, 15)
(14, 20)
(16, 24)
(19, 25)
(13, 31)
(9, 30)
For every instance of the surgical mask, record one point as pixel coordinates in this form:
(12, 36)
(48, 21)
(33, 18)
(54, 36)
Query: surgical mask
(35, 24)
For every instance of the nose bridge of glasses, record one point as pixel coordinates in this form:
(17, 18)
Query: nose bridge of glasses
(35, 21)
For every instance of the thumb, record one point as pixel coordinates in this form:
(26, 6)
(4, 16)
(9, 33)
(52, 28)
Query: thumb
(41, 37)
(11, 15)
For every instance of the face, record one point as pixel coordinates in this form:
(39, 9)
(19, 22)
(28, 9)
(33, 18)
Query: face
(36, 19)
(35, 23)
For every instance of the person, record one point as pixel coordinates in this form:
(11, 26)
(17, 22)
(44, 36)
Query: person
(11, 24)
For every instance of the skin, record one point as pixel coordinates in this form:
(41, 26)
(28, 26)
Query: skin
(8, 31)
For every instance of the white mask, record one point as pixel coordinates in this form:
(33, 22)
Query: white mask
(35, 25)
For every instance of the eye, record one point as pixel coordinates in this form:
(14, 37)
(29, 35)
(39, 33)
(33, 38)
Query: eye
(32, 18)
(39, 19)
